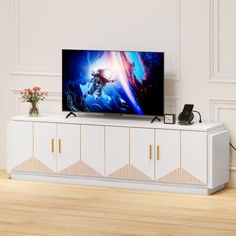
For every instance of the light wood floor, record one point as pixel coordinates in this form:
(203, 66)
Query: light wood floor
(29, 208)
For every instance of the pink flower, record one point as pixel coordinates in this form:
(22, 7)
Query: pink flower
(28, 90)
(33, 95)
(35, 88)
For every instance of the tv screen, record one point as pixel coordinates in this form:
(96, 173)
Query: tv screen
(125, 82)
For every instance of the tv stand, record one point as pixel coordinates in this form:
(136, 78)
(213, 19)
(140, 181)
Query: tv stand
(124, 153)
(155, 118)
(70, 113)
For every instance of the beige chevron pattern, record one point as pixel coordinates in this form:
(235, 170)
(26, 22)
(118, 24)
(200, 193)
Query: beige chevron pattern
(137, 174)
(180, 176)
(87, 170)
(25, 166)
(33, 164)
(38, 166)
(123, 172)
(80, 168)
(73, 169)
(129, 171)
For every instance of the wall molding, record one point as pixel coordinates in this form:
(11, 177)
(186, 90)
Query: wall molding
(173, 102)
(215, 74)
(217, 104)
(178, 43)
(17, 68)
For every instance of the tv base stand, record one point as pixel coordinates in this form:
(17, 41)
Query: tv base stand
(70, 113)
(129, 153)
(155, 118)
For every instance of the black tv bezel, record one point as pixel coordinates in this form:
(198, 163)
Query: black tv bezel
(116, 113)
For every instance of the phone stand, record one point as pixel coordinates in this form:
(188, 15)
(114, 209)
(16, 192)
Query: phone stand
(185, 122)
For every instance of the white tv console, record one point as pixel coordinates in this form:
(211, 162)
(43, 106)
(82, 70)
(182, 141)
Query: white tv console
(131, 153)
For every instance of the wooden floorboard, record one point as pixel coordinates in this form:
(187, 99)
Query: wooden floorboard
(32, 208)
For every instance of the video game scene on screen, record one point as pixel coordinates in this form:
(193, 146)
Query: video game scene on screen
(113, 82)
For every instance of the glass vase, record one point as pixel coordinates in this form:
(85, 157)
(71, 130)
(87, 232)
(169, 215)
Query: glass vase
(33, 110)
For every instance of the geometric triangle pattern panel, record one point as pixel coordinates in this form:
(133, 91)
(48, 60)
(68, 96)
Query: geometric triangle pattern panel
(38, 166)
(72, 169)
(80, 168)
(25, 166)
(180, 175)
(138, 174)
(129, 172)
(33, 164)
(122, 173)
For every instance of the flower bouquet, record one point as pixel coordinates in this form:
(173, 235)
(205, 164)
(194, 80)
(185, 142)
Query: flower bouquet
(33, 96)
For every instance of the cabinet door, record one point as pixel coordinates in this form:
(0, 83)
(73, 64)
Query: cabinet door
(194, 157)
(167, 155)
(117, 152)
(68, 148)
(20, 146)
(92, 150)
(142, 154)
(45, 147)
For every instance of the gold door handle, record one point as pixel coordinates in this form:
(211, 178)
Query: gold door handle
(158, 152)
(150, 152)
(59, 145)
(52, 145)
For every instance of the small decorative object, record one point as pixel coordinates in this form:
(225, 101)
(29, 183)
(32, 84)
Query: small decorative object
(169, 118)
(34, 96)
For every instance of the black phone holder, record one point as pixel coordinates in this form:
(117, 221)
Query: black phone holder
(186, 122)
(186, 116)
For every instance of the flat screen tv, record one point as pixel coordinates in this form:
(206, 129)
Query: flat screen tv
(102, 81)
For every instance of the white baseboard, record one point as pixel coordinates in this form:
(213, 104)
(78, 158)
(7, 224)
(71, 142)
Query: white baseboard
(113, 183)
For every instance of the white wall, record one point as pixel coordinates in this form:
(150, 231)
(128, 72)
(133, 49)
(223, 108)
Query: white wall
(197, 36)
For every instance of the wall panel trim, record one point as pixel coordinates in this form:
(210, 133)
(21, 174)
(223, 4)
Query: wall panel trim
(215, 74)
(17, 68)
(217, 104)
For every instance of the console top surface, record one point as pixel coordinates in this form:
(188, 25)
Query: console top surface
(119, 121)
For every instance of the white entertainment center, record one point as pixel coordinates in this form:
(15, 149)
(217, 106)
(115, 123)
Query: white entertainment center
(130, 153)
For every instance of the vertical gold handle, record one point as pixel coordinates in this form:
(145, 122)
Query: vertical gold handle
(158, 152)
(59, 145)
(52, 145)
(150, 152)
